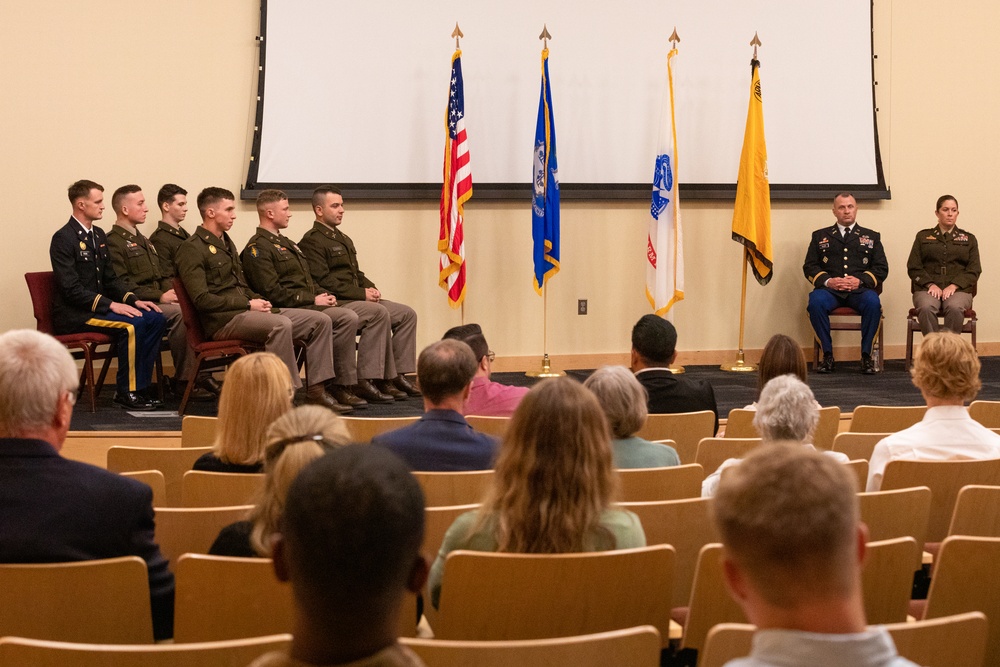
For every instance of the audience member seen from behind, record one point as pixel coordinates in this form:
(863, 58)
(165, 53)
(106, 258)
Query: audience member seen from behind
(553, 487)
(257, 391)
(654, 348)
(624, 403)
(946, 371)
(442, 441)
(294, 440)
(486, 398)
(787, 413)
(349, 543)
(781, 356)
(53, 509)
(793, 546)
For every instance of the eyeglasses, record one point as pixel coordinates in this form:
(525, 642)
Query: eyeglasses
(491, 355)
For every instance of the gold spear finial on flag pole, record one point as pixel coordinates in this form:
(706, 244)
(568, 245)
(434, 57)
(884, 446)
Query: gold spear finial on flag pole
(545, 36)
(755, 42)
(457, 33)
(674, 39)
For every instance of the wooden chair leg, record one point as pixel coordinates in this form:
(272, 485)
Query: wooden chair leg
(909, 343)
(190, 385)
(88, 372)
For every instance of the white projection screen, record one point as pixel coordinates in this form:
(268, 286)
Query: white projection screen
(354, 93)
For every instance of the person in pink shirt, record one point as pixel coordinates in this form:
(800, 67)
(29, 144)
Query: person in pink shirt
(486, 398)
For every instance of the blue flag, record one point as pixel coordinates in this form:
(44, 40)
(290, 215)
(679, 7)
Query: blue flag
(545, 207)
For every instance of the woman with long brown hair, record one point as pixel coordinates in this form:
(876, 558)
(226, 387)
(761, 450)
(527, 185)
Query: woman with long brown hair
(553, 487)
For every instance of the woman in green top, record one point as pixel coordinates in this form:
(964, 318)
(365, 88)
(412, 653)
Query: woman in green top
(553, 487)
(624, 402)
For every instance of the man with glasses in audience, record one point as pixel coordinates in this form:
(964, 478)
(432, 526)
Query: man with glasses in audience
(486, 398)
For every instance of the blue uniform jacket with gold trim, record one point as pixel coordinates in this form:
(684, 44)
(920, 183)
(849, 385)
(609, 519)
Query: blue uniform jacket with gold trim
(859, 255)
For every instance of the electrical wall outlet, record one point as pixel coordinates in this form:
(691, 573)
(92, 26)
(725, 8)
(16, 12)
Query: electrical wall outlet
(581, 307)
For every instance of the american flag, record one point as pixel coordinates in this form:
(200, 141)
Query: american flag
(456, 189)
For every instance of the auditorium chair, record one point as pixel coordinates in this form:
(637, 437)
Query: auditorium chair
(183, 530)
(198, 431)
(173, 462)
(667, 483)
(363, 429)
(496, 426)
(220, 489)
(857, 445)
(887, 579)
(740, 425)
(913, 325)
(986, 413)
(442, 489)
(712, 452)
(896, 513)
(885, 419)
(977, 512)
(845, 318)
(154, 480)
(686, 429)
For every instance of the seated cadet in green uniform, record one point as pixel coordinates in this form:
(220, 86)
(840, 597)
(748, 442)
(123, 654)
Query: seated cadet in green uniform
(169, 235)
(944, 269)
(208, 265)
(275, 267)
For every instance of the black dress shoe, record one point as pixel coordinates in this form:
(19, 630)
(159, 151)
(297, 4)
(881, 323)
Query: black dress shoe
(368, 391)
(327, 401)
(387, 387)
(131, 400)
(828, 365)
(345, 397)
(403, 384)
(868, 365)
(209, 384)
(178, 387)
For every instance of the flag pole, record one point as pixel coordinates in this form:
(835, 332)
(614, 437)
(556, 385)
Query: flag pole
(546, 370)
(740, 364)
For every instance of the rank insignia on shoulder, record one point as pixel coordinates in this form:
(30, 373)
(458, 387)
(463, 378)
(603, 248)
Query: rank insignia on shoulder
(83, 246)
(212, 249)
(826, 259)
(253, 251)
(864, 261)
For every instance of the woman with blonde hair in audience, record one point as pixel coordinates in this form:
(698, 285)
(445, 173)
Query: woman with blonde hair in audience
(624, 402)
(553, 486)
(787, 413)
(257, 391)
(294, 440)
(781, 356)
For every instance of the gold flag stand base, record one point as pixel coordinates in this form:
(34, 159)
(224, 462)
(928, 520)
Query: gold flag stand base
(676, 370)
(738, 366)
(546, 371)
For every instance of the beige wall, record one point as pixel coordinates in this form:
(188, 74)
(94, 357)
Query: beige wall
(152, 92)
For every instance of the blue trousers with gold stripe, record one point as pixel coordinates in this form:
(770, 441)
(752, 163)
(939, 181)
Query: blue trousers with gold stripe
(138, 344)
(823, 301)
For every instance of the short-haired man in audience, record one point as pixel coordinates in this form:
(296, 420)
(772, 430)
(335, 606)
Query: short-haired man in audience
(349, 543)
(169, 235)
(275, 267)
(388, 346)
(654, 348)
(208, 264)
(89, 296)
(442, 441)
(138, 264)
(54, 509)
(946, 371)
(487, 398)
(793, 545)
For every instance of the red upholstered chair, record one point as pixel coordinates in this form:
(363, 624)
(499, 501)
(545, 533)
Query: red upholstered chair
(216, 352)
(853, 323)
(41, 286)
(912, 325)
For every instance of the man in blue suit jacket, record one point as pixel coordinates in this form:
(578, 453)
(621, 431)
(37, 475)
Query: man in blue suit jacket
(442, 441)
(53, 509)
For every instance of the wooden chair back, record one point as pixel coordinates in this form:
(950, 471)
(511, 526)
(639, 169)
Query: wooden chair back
(363, 429)
(687, 526)
(652, 484)
(896, 513)
(182, 530)
(198, 431)
(103, 601)
(154, 480)
(443, 489)
(885, 419)
(965, 580)
(496, 426)
(977, 512)
(220, 489)
(986, 413)
(502, 596)
(15, 651)
(887, 579)
(945, 479)
(684, 428)
(636, 647)
(437, 521)
(951, 641)
(859, 468)
(685, 454)
(710, 602)
(857, 445)
(740, 425)
(221, 598)
(713, 451)
(173, 462)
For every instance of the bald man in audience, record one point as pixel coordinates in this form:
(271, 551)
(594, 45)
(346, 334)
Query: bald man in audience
(793, 545)
(53, 509)
(486, 398)
(946, 371)
(349, 543)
